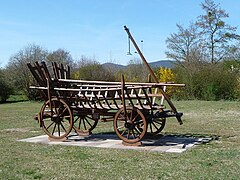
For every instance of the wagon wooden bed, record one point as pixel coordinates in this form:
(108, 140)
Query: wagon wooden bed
(136, 109)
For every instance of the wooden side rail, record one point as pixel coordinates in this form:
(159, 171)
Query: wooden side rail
(108, 83)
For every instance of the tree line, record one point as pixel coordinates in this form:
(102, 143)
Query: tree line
(207, 55)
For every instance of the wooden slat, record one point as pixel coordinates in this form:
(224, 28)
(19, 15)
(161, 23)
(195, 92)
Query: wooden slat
(119, 83)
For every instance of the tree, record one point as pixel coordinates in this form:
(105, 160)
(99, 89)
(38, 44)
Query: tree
(184, 45)
(87, 69)
(17, 71)
(214, 31)
(60, 56)
(233, 52)
(135, 71)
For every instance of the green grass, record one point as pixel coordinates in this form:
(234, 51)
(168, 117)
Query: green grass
(219, 159)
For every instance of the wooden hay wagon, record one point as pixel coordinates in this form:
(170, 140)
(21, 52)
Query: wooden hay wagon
(78, 105)
(135, 108)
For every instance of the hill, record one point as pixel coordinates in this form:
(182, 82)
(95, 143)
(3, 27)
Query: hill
(161, 63)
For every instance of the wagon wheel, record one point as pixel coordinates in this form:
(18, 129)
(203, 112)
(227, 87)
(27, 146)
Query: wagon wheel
(156, 125)
(132, 127)
(56, 118)
(84, 123)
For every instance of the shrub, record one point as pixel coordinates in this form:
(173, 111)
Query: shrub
(5, 89)
(167, 75)
(208, 82)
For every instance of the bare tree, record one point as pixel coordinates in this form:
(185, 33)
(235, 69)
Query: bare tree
(215, 32)
(60, 56)
(184, 45)
(17, 71)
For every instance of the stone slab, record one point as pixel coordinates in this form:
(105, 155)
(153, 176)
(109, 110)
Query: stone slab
(165, 143)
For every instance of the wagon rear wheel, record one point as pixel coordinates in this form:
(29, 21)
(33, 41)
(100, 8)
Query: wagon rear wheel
(132, 127)
(84, 123)
(56, 118)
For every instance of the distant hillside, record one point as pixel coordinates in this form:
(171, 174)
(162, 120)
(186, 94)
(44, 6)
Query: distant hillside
(161, 63)
(113, 66)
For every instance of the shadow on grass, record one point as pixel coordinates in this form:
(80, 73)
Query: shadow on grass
(166, 139)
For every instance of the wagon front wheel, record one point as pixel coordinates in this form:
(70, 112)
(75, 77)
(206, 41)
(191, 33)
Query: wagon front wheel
(56, 118)
(130, 127)
(156, 125)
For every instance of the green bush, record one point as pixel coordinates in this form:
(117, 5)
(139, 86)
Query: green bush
(5, 89)
(208, 82)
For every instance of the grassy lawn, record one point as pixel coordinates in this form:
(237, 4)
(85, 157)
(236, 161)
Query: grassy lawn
(219, 159)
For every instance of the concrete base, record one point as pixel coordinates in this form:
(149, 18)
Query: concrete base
(167, 143)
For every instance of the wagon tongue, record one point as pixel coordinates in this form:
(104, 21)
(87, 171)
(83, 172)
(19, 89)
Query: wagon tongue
(173, 108)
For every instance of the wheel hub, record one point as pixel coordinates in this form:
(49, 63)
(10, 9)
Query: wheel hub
(129, 125)
(57, 119)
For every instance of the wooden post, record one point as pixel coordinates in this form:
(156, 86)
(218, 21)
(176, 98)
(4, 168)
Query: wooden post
(152, 74)
(123, 95)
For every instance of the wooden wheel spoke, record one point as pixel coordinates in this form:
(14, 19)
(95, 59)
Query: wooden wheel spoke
(138, 131)
(88, 117)
(154, 125)
(128, 134)
(62, 112)
(59, 130)
(67, 118)
(138, 122)
(134, 136)
(118, 128)
(80, 122)
(151, 127)
(122, 117)
(63, 127)
(49, 125)
(84, 124)
(54, 128)
(76, 119)
(88, 122)
(123, 132)
(135, 117)
(66, 123)
(158, 122)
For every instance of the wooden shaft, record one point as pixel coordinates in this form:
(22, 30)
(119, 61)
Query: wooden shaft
(150, 70)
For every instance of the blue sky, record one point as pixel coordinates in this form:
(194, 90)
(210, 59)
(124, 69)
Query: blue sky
(94, 28)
